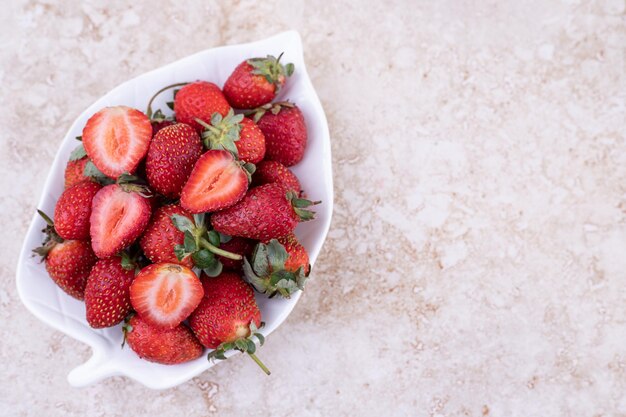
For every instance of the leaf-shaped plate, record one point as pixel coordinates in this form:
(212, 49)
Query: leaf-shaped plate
(51, 305)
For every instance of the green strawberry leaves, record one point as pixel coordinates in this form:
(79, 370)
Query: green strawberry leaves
(158, 116)
(222, 132)
(300, 206)
(78, 153)
(51, 239)
(267, 272)
(201, 244)
(244, 345)
(271, 69)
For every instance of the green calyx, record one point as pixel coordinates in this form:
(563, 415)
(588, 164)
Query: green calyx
(244, 345)
(267, 273)
(273, 108)
(158, 116)
(51, 239)
(201, 244)
(271, 69)
(126, 328)
(222, 132)
(93, 172)
(132, 184)
(300, 206)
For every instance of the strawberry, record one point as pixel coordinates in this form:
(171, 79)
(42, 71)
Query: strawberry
(272, 171)
(162, 236)
(285, 132)
(172, 154)
(74, 171)
(158, 125)
(278, 266)
(68, 262)
(165, 294)
(199, 100)
(73, 208)
(238, 245)
(236, 134)
(156, 344)
(256, 82)
(119, 215)
(116, 139)
(216, 182)
(265, 213)
(227, 317)
(107, 294)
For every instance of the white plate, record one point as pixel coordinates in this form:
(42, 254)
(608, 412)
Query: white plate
(51, 305)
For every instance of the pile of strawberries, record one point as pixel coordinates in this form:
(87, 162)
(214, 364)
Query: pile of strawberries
(169, 224)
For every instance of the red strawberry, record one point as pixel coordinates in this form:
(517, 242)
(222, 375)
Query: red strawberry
(266, 212)
(118, 217)
(165, 294)
(72, 211)
(236, 134)
(116, 139)
(107, 294)
(278, 266)
(256, 81)
(238, 245)
(199, 100)
(74, 172)
(227, 317)
(166, 346)
(272, 171)
(158, 125)
(173, 152)
(285, 132)
(216, 182)
(161, 236)
(298, 257)
(68, 262)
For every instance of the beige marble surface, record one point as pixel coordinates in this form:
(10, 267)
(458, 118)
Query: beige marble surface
(476, 264)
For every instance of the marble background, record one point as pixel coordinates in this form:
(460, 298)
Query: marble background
(476, 261)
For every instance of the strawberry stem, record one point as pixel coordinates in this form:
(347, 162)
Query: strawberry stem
(258, 362)
(149, 110)
(221, 252)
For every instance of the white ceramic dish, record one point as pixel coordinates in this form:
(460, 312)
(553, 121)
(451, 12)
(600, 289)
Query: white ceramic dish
(51, 305)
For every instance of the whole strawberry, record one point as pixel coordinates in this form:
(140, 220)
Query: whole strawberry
(199, 100)
(227, 317)
(256, 82)
(236, 134)
(172, 154)
(68, 262)
(73, 209)
(160, 124)
(107, 294)
(74, 171)
(279, 266)
(119, 215)
(162, 236)
(285, 132)
(266, 212)
(268, 172)
(160, 345)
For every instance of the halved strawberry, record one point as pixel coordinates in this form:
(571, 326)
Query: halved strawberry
(216, 182)
(165, 294)
(116, 139)
(118, 217)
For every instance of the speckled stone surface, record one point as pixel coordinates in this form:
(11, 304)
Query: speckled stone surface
(476, 264)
